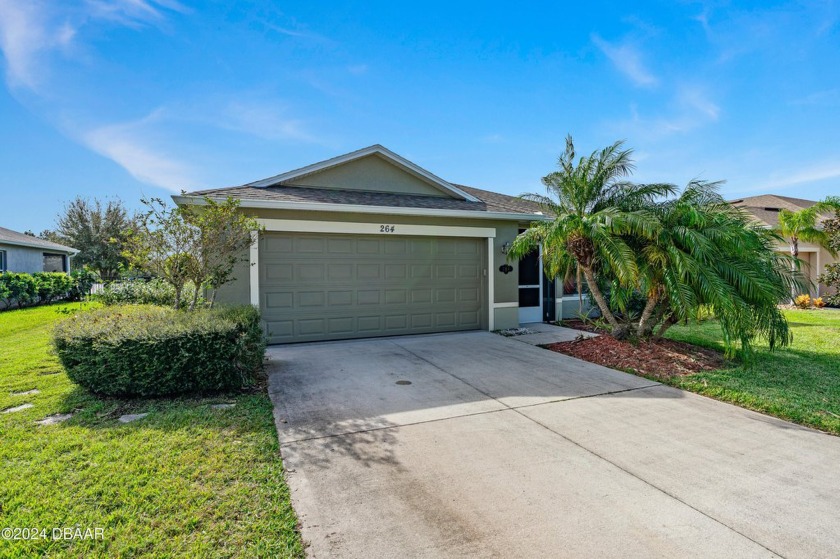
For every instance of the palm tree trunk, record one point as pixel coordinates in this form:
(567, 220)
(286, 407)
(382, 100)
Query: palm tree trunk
(579, 290)
(599, 298)
(664, 328)
(650, 305)
(794, 252)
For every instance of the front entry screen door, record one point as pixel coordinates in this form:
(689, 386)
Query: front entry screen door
(530, 289)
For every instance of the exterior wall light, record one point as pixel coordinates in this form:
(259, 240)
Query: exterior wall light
(506, 248)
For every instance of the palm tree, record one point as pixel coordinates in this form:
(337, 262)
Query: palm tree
(592, 206)
(709, 255)
(802, 225)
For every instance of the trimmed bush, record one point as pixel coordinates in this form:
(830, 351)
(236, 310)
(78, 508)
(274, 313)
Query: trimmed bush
(52, 285)
(21, 289)
(141, 292)
(147, 350)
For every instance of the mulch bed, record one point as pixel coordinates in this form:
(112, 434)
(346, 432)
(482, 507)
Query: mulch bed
(660, 359)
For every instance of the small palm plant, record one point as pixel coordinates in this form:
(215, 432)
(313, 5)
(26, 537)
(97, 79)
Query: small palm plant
(593, 206)
(803, 225)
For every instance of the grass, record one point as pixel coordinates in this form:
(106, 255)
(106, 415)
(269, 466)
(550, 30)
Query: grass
(186, 481)
(800, 383)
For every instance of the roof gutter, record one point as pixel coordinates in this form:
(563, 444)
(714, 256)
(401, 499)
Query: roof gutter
(364, 209)
(66, 250)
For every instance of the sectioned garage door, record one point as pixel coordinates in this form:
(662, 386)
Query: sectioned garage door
(330, 287)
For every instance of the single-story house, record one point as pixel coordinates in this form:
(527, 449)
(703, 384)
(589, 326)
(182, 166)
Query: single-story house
(24, 253)
(370, 244)
(765, 210)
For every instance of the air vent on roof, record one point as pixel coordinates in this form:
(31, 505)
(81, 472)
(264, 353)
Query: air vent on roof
(772, 209)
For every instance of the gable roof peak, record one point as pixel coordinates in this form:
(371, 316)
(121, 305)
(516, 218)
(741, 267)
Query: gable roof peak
(375, 149)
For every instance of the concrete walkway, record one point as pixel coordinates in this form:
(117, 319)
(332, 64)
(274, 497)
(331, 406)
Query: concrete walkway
(544, 334)
(475, 445)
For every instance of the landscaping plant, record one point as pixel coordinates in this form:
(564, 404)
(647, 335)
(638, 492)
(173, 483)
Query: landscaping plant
(831, 274)
(98, 230)
(593, 206)
(198, 244)
(20, 290)
(651, 260)
(148, 350)
(141, 292)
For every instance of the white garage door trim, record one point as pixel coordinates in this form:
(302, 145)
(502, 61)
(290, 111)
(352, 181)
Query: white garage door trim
(385, 229)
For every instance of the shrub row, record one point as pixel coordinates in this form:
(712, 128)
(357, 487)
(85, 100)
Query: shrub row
(21, 289)
(143, 292)
(145, 350)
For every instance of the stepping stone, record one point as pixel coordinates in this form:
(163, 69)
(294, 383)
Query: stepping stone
(222, 406)
(27, 393)
(17, 408)
(128, 418)
(53, 419)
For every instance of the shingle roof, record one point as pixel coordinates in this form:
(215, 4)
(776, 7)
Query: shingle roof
(14, 238)
(489, 201)
(765, 207)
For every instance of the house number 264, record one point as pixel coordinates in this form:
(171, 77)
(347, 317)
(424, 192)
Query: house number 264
(387, 228)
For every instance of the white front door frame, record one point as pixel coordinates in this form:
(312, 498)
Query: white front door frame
(533, 314)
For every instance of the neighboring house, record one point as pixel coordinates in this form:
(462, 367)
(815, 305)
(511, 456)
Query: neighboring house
(765, 209)
(24, 253)
(370, 244)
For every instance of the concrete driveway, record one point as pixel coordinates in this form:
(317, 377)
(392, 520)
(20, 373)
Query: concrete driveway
(475, 445)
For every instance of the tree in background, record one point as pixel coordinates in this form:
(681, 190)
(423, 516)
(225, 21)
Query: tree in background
(198, 244)
(97, 230)
(803, 225)
(830, 277)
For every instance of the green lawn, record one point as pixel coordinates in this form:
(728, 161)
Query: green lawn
(186, 481)
(800, 383)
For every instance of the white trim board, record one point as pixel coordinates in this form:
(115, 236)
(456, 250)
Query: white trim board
(364, 209)
(509, 305)
(357, 228)
(254, 272)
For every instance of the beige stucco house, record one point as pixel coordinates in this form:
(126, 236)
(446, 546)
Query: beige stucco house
(370, 244)
(765, 209)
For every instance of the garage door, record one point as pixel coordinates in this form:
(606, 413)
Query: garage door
(331, 287)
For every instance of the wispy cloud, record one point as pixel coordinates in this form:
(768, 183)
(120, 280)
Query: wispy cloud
(828, 97)
(628, 60)
(492, 139)
(811, 174)
(26, 33)
(31, 31)
(358, 69)
(691, 108)
(133, 13)
(262, 119)
(128, 144)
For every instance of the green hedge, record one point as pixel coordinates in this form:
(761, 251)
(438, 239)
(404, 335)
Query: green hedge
(142, 292)
(145, 350)
(22, 290)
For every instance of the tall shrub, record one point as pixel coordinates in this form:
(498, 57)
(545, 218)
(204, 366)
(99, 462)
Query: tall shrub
(147, 350)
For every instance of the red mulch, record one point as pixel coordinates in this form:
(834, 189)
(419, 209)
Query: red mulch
(662, 359)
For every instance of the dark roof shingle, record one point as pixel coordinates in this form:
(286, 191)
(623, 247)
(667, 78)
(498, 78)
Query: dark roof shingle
(14, 238)
(489, 201)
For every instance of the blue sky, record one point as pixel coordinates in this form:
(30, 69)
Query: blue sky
(142, 97)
